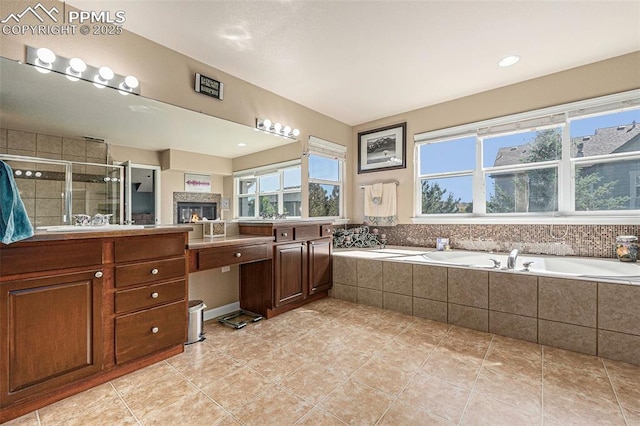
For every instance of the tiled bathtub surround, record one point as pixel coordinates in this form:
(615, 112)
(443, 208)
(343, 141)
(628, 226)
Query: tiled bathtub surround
(569, 240)
(590, 317)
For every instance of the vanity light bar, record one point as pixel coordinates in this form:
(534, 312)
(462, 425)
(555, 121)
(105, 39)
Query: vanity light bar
(76, 69)
(285, 131)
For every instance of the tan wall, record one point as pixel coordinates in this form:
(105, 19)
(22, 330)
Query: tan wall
(598, 79)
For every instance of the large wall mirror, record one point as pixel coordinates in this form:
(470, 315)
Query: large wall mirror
(55, 119)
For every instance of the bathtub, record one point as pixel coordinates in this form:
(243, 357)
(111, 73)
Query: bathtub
(588, 268)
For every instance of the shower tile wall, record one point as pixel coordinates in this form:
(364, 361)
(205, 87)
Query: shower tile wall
(43, 198)
(566, 240)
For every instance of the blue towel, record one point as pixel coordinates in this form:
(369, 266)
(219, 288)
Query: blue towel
(14, 222)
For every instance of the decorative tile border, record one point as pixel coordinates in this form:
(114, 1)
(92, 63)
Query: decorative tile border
(566, 240)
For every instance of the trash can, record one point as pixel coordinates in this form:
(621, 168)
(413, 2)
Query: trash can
(196, 319)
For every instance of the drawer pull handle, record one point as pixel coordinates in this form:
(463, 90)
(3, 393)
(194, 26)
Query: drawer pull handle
(98, 274)
(154, 330)
(154, 295)
(154, 271)
(238, 254)
(284, 234)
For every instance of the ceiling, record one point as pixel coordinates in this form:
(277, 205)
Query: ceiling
(358, 61)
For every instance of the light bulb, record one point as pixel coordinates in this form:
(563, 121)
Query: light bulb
(277, 127)
(45, 56)
(106, 73)
(77, 65)
(267, 124)
(287, 130)
(131, 81)
(508, 60)
(296, 132)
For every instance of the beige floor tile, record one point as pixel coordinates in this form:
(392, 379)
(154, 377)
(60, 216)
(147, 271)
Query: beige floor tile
(439, 398)
(449, 366)
(313, 382)
(483, 410)
(27, 420)
(277, 364)
(626, 382)
(193, 409)
(354, 403)
(405, 414)
(520, 392)
(207, 369)
(632, 417)
(564, 408)
(276, 407)
(407, 356)
(352, 363)
(390, 378)
(316, 417)
(154, 396)
(98, 398)
(158, 371)
(502, 359)
(593, 385)
(237, 389)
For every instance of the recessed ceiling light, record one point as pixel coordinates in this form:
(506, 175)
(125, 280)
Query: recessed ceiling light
(507, 61)
(242, 144)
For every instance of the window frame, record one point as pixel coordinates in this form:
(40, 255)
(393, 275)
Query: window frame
(553, 117)
(339, 182)
(256, 174)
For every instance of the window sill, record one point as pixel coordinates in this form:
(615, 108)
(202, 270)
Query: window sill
(586, 219)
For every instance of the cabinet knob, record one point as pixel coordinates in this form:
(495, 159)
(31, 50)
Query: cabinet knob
(154, 330)
(154, 295)
(238, 254)
(284, 234)
(154, 271)
(98, 274)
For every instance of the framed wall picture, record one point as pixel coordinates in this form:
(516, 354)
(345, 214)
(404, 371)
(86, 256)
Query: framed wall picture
(383, 149)
(197, 183)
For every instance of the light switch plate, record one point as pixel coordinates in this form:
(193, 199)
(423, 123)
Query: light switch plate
(226, 268)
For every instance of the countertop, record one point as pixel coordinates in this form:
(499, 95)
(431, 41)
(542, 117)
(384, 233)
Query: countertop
(43, 235)
(228, 240)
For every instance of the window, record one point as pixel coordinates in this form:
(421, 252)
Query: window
(326, 164)
(275, 188)
(568, 160)
(445, 173)
(605, 153)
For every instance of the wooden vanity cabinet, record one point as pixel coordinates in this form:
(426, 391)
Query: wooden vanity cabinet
(80, 310)
(150, 295)
(299, 273)
(51, 321)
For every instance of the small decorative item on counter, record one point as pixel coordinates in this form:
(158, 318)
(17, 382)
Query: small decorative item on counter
(627, 248)
(442, 244)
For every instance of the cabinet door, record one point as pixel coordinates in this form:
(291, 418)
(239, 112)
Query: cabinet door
(53, 329)
(290, 273)
(320, 265)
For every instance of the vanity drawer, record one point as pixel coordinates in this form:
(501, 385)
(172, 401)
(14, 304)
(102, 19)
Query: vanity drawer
(224, 256)
(283, 234)
(326, 230)
(149, 247)
(148, 296)
(145, 332)
(146, 272)
(46, 257)
(307, 232)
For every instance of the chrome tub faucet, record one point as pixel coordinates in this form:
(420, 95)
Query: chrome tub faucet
(511, 260)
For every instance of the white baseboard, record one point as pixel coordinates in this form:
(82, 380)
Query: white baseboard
(221, 310)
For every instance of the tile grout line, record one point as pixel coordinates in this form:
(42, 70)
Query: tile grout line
(473, 388)
(125, 403)
(203, 392)
(615, 393)
(541, 384)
